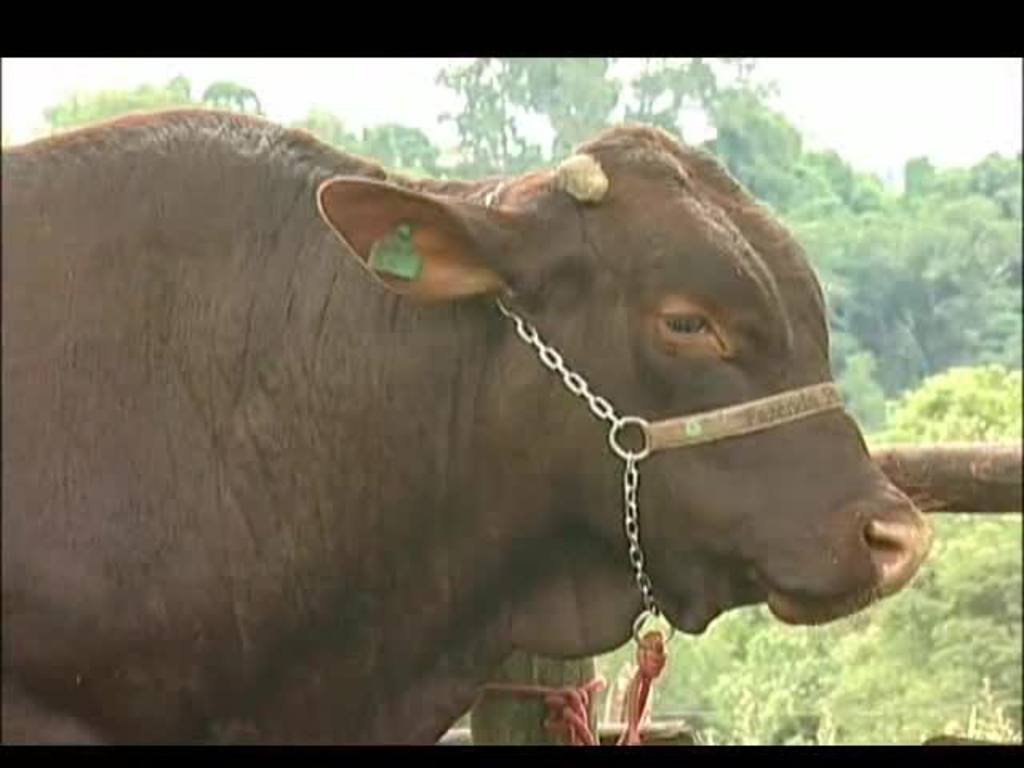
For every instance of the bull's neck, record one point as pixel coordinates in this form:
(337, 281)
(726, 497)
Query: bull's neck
(427, 544)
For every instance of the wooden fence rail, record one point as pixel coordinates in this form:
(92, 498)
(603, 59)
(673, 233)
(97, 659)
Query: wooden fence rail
(980, 478)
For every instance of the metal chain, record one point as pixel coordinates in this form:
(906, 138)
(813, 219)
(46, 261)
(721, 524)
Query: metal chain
(602, 409)
(630, 485)
(553, 361)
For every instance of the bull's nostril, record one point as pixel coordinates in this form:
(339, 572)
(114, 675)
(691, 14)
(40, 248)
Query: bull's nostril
(895, 549)
(879, 534)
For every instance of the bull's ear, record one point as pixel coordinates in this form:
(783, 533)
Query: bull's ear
(419, 245)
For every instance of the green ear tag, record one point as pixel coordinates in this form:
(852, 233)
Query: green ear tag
(396, 255)
(693, 429)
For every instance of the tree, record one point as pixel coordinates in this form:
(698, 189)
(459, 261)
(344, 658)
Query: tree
(398, 147)
(924, 281)
(667, 88)
(401, 148)
(758, 145)
(232, 96)
(861, 391)
(84, 108)
(999, 179)
(576, 95)
(492, 91)
(329, 128)
(918, 177)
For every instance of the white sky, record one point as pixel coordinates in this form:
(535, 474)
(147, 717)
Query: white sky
(876, 113)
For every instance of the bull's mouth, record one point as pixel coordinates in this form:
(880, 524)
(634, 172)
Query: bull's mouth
(800, 608)
(694, 615)
(805, 610)
(895, 567)
(896, 563)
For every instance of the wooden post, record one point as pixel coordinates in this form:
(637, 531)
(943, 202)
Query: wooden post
(503, 718)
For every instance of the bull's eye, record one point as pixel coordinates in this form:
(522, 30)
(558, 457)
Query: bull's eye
(684, 327)
(687, 331)
(686, 324)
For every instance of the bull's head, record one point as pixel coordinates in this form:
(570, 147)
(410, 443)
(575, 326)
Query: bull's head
(672, 292)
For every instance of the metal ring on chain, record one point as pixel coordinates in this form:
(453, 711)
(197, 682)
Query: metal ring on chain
(624, 453)
(649, 615)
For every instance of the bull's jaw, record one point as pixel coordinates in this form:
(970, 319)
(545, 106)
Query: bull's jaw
(588, 605)
(584, 616)
(582, 608)
(693, 589)
(695, 614)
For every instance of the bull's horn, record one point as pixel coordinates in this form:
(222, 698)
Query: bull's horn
(581, 176)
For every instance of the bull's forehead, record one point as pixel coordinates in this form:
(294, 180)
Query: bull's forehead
(697, 190)
(684, 202)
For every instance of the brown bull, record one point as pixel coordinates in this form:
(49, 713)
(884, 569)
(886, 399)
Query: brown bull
(276, 467)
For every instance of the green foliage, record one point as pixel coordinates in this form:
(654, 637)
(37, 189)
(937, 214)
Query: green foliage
(923, 283)
(329, 128)
(666, 87)
(493, 92)
(999, 178)
(402, 148)
(576, 95)
(232, 96)
(951, 639)
(398, 147)
(856, 192)
(758, 145)
(84, 108)
(918, 177)
(982, 403)
(861, 392)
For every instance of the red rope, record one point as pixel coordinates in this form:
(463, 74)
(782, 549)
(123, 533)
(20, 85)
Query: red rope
(567, 708)
(650, 659)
